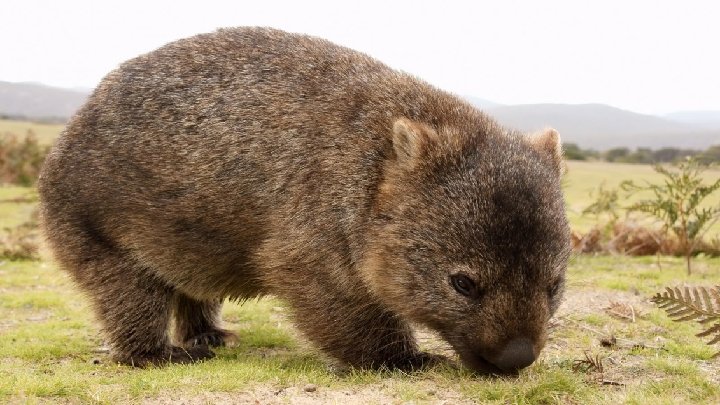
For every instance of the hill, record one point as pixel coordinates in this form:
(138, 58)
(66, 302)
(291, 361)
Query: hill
(705, 119)
(601, 126)
(39, 102)
(481, 103)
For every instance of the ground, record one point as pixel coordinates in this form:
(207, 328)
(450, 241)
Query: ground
(608, 343)
(51, 350)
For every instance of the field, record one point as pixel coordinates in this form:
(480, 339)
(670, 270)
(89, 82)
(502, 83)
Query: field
(582, 178)
(51, 349)
(46, 133)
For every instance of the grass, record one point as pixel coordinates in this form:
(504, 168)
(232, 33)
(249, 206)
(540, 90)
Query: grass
(46, 133)
(49, 350)
(16, 205)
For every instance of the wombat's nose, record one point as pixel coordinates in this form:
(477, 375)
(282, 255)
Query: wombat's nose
(517, 354)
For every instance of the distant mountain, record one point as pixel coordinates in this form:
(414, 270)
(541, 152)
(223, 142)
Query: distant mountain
(600, 126)
(705, 119)
(37, 101)
(482, 103)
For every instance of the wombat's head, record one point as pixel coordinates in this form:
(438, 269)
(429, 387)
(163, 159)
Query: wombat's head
(471, 239)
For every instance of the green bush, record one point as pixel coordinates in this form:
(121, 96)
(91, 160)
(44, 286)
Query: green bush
(677, 203)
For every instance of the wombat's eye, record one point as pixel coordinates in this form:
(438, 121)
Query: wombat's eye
(463, 284)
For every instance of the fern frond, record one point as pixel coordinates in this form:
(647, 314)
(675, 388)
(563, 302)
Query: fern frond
(714, 329)
(699, 304)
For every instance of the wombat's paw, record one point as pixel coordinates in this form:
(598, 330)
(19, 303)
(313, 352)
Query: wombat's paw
(176, 355)
(424, 360)
(214, 338)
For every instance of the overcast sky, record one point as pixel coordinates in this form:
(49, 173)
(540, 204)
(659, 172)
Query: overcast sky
(646, 56)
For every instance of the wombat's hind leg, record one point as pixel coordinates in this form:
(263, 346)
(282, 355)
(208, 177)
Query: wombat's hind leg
(197, 322)
(136, 315)
(131, 302)
(134, 307)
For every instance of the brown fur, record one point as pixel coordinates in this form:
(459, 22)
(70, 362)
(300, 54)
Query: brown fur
(251, 161)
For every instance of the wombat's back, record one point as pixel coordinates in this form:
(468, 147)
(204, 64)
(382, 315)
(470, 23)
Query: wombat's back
(190, 155)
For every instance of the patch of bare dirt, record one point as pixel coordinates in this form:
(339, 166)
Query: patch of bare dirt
(583, 302)
(299, 395)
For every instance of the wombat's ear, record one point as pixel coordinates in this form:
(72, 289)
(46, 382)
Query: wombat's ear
(410, 139)
(548, 142)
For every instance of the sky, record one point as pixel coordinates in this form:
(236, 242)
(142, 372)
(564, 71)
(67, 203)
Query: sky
(646, 56)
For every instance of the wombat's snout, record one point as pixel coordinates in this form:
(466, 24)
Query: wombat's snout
(517, 354)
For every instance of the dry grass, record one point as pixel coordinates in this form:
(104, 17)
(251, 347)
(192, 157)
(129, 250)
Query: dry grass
(21, 242)
(632, 238)
(20, 159)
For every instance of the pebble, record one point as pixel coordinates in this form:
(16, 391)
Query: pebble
(310, 388)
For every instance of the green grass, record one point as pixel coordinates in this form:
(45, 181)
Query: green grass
(49, 342)
(46, 133)
(16, 205)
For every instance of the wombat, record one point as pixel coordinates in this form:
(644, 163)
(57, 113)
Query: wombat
(250, 161)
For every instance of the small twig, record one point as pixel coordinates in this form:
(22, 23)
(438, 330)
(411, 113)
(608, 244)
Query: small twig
(612, 311)
(608, 382)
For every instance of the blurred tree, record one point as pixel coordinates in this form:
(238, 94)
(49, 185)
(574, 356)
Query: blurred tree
(616, 154)
(573, 152)
(710, 155)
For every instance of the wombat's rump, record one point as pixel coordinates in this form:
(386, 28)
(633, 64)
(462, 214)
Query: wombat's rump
(251, 161)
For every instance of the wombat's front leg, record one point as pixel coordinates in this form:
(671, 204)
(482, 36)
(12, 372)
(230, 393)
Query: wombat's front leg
(359, 331)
